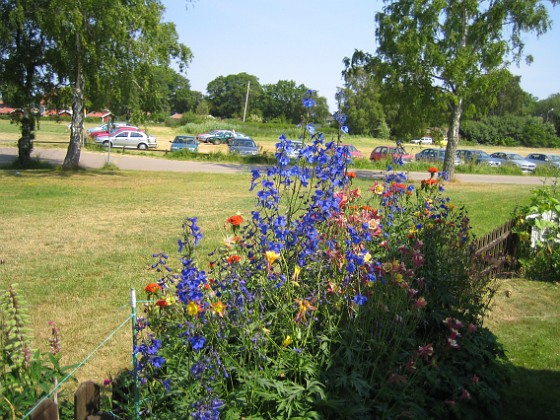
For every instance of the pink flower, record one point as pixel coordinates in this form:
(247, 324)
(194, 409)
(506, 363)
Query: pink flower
(472, 328)
(107, 382)
(465, 395)
(421, 303)
(425, 351)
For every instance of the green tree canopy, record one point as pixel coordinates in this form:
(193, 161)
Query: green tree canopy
(360, 101)
(450, 51)
(227, 94)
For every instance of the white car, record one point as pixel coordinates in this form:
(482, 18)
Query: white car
(105, 127)
(128, 139)
(515, 159)
(423, 140)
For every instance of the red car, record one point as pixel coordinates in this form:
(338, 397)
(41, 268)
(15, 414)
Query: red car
(354, 153)
(390, 152)
(115, 131)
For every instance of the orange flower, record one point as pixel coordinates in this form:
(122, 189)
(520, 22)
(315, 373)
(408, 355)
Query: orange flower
(219, 308)
(152, 288)
(432, 170)
(233, 259)
(235, 220)
(162, 303)
(351, 174)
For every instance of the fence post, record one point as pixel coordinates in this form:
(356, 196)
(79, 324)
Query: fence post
(86, 400)
(134, 354)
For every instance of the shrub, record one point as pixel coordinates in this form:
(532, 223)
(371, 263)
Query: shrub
(538, 227)
(25, 374)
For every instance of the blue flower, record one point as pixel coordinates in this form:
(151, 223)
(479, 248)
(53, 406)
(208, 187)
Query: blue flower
(197, 342)
(360, 299)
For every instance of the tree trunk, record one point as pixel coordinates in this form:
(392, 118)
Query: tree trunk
(25, 143)
(72, 159)
(453, 139)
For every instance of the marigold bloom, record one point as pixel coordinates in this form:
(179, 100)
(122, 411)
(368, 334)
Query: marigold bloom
(235, 220)
(152, 288)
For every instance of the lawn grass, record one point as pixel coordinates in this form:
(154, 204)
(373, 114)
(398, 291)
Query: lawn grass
(526, 318)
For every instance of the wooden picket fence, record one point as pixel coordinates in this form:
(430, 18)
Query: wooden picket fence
(497, 251)
(87, 400)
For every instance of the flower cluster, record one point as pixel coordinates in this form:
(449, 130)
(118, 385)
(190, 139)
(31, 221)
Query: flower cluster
(323, 283)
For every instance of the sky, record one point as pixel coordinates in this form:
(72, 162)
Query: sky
(306, 41)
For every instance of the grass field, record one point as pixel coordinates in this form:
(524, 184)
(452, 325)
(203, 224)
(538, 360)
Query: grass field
(76, 243)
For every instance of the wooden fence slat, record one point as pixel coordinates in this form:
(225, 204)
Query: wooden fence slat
(47, 410)
(86, 400)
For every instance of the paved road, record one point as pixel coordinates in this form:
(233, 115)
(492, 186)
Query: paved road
(96, 160)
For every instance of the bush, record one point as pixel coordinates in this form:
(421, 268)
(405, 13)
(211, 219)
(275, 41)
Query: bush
(538, 227)
(26, 375)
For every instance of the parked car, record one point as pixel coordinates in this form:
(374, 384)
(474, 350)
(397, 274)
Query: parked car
(113, 131)
(202, 137)
(244, 146)
(129, 139)
(354, 153)
(390, 152)
(544, 159)
(515, 159)
(423, 140)
(105, 127)
(292, 147)
(478, 156)
(184, 143)
(435, 155)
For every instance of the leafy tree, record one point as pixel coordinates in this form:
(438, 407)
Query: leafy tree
(450, 51)
(360, 101)
(282, 101)
(549, 110)
(227, 94)
(24, 70)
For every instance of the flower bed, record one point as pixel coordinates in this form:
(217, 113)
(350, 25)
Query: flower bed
(324, 302)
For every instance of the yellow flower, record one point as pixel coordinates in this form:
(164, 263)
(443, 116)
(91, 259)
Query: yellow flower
(287, 341)
(398, 277)
(219, 308)
(367, 257)
(193, 308)
(271, 256)
(379, 189)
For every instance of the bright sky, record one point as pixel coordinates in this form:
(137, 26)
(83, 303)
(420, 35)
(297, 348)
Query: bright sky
(306, 41)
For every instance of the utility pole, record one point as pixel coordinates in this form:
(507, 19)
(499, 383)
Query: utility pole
(246, 100)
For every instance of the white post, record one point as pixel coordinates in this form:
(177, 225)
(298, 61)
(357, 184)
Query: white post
(246, 100)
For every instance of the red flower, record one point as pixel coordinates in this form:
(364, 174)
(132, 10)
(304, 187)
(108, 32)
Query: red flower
(233, 259)
(162, 303)
(432, 170)
(235, 220)
(152, 288)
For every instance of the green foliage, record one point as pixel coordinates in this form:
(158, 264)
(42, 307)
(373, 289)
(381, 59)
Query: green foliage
(539, 231)
(25, 374)
(360, 101)
(227, 94)
(510, 130)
